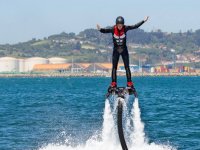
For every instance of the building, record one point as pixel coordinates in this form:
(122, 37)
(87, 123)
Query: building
(31, 62)
(97, 68)
(133, 68)
(21, 65)
(62, 68)
(147, 68)
(9, 64)
(74, 67)
(185, 69)
(161, 69)
(52, 68)
(57, 60)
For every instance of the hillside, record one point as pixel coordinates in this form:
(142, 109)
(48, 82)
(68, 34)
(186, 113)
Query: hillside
(92, 46)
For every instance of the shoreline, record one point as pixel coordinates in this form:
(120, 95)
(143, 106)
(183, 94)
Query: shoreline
(34, 75)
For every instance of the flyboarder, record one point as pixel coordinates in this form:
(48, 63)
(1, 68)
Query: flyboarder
(120, 48)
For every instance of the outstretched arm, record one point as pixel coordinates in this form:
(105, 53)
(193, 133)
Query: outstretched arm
(104, 30)
(137, 25)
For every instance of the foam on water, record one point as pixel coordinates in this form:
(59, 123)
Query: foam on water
(109, 137)
(139, 141)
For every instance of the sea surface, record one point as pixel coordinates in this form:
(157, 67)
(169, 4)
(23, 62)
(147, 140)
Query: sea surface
(73, 114)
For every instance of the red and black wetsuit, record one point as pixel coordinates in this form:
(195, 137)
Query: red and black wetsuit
(120, 48)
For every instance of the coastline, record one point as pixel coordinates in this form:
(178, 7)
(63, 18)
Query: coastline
(45, 75)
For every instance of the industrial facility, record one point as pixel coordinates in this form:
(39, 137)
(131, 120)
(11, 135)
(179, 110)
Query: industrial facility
(12, 65)
(57, 60)
(54, 64)
(9, 64)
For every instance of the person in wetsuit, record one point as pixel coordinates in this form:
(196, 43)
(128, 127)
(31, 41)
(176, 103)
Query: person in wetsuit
(120, 48)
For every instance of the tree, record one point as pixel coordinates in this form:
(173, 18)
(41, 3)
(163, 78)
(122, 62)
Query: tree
(197, 37)
(78, 46)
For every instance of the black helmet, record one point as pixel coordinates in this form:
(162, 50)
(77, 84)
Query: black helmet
(120, 20)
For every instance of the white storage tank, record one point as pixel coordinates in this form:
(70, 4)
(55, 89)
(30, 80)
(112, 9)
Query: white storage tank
(9, 64)
(31, 62)
(57, 60)
(21, 65)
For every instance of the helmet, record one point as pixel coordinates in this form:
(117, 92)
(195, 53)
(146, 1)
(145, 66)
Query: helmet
(120, 20)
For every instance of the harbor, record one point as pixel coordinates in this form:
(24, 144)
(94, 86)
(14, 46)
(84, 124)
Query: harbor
(54, 75)
(60, 67)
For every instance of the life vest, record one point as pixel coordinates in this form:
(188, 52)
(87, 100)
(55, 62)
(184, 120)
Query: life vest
(119, 36)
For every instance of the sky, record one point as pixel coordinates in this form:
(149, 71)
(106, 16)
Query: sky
(22, 20)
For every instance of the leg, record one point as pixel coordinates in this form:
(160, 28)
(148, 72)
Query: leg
(115, 59)
(125, 57)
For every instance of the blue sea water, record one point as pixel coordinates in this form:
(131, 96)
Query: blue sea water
(35, 112)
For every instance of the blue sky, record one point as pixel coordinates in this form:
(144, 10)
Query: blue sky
(22, 20)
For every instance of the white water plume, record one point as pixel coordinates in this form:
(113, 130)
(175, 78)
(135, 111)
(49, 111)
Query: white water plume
(109, 137)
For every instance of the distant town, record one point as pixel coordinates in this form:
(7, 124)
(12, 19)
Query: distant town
(56, 66)
(90, 52)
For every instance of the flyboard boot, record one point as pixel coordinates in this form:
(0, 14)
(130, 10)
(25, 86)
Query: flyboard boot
(131, 88)
(112, 87)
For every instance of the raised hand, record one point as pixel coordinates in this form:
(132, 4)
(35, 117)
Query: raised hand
(98, 27)
(146, 18)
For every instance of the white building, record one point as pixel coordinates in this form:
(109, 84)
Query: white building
(30, 62)
(21, 65)
(57, 60)
(9, 64)
(12, 65)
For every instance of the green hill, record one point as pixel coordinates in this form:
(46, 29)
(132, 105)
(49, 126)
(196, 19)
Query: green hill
(92, 46)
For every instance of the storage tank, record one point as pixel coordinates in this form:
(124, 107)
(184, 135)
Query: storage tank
(30, 62)
(9, 64)
(21, 65)
(57, 60)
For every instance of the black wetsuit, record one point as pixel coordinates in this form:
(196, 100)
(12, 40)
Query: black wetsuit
(120, 48)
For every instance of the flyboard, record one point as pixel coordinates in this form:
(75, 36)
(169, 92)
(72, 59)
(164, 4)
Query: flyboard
(121, 92)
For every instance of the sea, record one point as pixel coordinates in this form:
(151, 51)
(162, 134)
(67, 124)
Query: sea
(72, 113)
